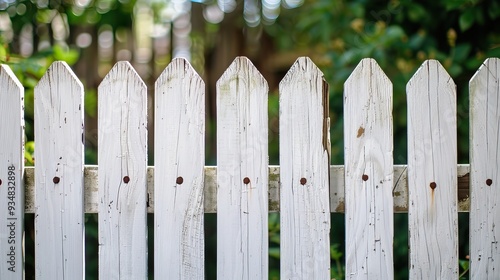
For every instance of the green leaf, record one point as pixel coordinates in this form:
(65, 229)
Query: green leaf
(416, 41)
(3, 53)
(45, 15)
(66, 54)
(29, 152)
(90, 100)
(455, 70)
(466, 19)
(275, 239)
(461, 52)
(494, 10)
(335, 253)
(416, 12)
(392, 34)
(455, 4)
(274, 252)
(493, 52)
(464, 264)
(357, 9)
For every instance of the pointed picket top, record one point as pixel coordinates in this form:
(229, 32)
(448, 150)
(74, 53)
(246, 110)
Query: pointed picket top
(304, 173)
(305, 78)
(11, 174)
(122, 154)
(58, 70)
(242, 173)
(244, 70)
(484, 89)
(178, 68)
(431, 70)
(302, 67)
(369, 172)
(366, 68)
(432, 173)
(8, 77)
(59, 223)
(123, 71)
(179, 173)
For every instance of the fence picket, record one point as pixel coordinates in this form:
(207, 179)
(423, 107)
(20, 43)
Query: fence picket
(122, 140)
(368, 173)
(304, 173)
(179, 172)
(243, 188)
(59, 224)
(242, 173)
(484, 174)
(432, 173)
(11, 175)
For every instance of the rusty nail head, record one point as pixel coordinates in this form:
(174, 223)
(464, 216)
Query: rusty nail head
(246, 180)
(56, 180)
(126, 179)
(433, 185)
(489, 182)
(303, 181)
(364, 177)
(0, 182)
(179, 181)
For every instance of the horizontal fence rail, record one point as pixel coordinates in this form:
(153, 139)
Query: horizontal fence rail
(337, 200)
(242, 189)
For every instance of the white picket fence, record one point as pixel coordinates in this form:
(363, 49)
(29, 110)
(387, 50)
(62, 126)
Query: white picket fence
(243, 188)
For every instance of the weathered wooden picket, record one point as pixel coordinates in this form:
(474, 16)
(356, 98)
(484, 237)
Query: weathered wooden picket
(243, 188)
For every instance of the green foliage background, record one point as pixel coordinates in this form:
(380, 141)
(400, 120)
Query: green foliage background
(398, 34)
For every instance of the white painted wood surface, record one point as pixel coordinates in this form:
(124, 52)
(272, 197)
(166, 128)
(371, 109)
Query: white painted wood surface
(432, 173)
(122, 155)
(485, 173)
(11, 175)
(243, 140)
(242, 179)
(368, 140)
(304, 176)
(59, 224)
(179, 164)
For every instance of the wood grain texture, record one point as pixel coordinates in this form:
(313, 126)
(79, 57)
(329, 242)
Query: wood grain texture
(179, 162)
(11, 175)
(485, 173)
(59, 224)
(122, 140)
(432, 173)
(304, 173)
(242, 173)
(368, 140)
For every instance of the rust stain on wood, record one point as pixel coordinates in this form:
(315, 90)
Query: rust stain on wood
(361, 131)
